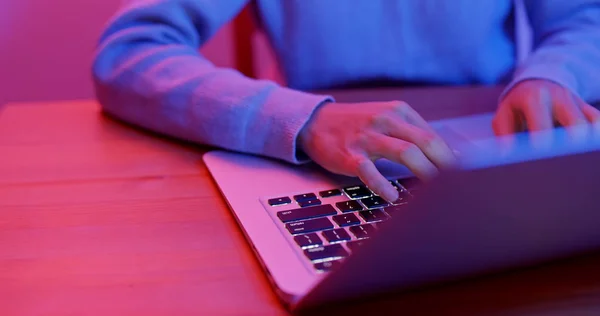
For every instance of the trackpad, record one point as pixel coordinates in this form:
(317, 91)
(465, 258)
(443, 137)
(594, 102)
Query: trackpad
(465, 130)
(451, 137)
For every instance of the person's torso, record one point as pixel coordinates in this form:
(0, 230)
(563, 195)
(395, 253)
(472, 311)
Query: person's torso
(323, 44)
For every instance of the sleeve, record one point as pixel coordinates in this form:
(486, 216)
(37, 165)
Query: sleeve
(148, 72)
(566, 39)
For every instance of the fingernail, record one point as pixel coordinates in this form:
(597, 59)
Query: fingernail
(431, 173)
(452, 161)
(391, 194)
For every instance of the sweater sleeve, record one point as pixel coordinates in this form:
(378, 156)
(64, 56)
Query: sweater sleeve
(148, 72)
(566, 39)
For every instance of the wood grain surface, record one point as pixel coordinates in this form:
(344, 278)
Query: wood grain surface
(99, 218)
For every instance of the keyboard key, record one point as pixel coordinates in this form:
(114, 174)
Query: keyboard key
(305, 197)
(354, 244)
(330, 193)
(346, 219)
(357, 192)
(373, 216)
(362, 231)
(349, 206)
(327, 265)
(309, 226)
(394, 209)
(308, 240)
(305, 213)
(374, 202)
(410, 183)
(403, 197)
(309, 203)
(280, 201)
(326, 253)
(336, 235)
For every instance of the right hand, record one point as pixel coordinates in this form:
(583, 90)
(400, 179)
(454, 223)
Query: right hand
(347, 138)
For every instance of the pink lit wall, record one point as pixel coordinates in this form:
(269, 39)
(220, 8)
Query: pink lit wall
(46, 47)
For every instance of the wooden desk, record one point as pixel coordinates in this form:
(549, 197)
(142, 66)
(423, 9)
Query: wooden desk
(97, 218)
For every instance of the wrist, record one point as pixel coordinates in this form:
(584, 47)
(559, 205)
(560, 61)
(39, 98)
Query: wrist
(307, 131)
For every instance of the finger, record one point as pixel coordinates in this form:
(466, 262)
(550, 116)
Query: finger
(429, 142)
(566, 109)
(578, 133)
(506, 122)
(537, 111)
(541, 140)
(591, 114)
(369, 175)
(402, 152)
(507, 144)
(413, 117)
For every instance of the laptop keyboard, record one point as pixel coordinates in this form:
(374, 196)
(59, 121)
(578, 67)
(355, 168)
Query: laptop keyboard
(327, 226)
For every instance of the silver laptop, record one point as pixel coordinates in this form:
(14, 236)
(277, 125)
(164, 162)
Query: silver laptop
(511, 202)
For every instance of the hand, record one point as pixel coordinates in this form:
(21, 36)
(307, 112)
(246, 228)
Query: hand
(347, 139)
(538, 105)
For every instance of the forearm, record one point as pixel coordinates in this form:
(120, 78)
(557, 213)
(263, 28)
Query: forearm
(151, 75)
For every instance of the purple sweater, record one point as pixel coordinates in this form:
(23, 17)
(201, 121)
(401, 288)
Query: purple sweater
(148, 71)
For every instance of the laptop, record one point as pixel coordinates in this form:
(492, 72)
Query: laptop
(511, 202)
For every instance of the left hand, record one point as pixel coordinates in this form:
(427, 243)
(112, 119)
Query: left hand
(537, 105)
